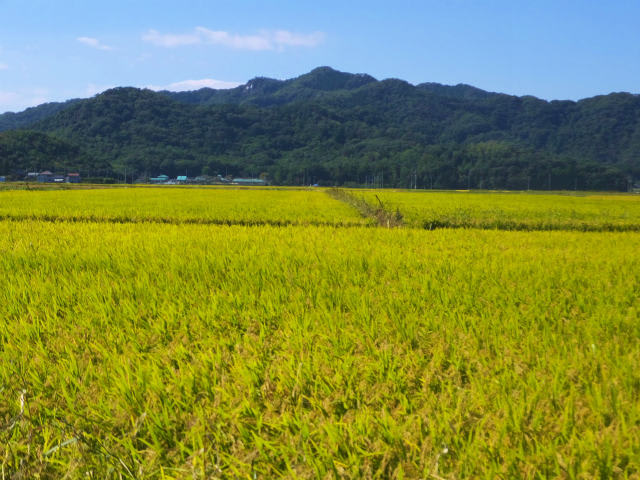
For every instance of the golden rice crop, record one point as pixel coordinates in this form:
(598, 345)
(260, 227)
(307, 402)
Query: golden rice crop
(205, 351)
(510, 211)
(179, 205)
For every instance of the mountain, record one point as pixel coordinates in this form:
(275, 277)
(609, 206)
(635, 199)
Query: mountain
(339, 128)
(28, 151)
(11, 120)
(461, 91)
(264, 92)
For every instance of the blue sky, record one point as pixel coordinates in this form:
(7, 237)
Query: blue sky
(52, 50)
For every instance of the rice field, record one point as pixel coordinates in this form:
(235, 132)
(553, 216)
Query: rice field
(179, 205)
(170, 350)
(510, 210)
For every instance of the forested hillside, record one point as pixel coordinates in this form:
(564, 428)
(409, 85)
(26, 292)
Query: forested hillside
(11, 120)
(331, 127)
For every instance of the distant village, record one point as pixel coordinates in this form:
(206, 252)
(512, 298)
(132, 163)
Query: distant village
(50, 177)
(201, 180)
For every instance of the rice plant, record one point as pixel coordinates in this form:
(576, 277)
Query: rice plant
(510, 210)
(151, 350)
(180, 205)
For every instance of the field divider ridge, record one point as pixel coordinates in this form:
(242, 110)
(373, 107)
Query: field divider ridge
(379, 213)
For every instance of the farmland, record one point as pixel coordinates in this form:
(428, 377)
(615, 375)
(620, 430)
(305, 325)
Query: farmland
(218, 333)
(511, 211)
(178, 205)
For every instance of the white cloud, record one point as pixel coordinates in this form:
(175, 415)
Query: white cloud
(195, 85)
(242, 42)
(264, 40)
(284, 38)
(170, 40)
(94, 43)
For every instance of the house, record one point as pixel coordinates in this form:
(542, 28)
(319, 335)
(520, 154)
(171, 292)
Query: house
(57, 179)
(45, 176)
(73, 178)
(202, 180)
(181, 179)
(3, 179)
(248, 181)
(159, 179)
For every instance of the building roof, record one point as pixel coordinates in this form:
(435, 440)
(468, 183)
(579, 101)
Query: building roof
(182, 178)
(249, 180)
(46, 172)
(73, 174)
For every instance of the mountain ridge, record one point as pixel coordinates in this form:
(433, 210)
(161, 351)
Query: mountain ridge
(340, 128)
(247, 93)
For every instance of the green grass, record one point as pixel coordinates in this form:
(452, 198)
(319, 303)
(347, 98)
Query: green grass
(203, 351)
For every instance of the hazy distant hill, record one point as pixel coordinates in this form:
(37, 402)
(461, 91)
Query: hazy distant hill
(334, 127)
